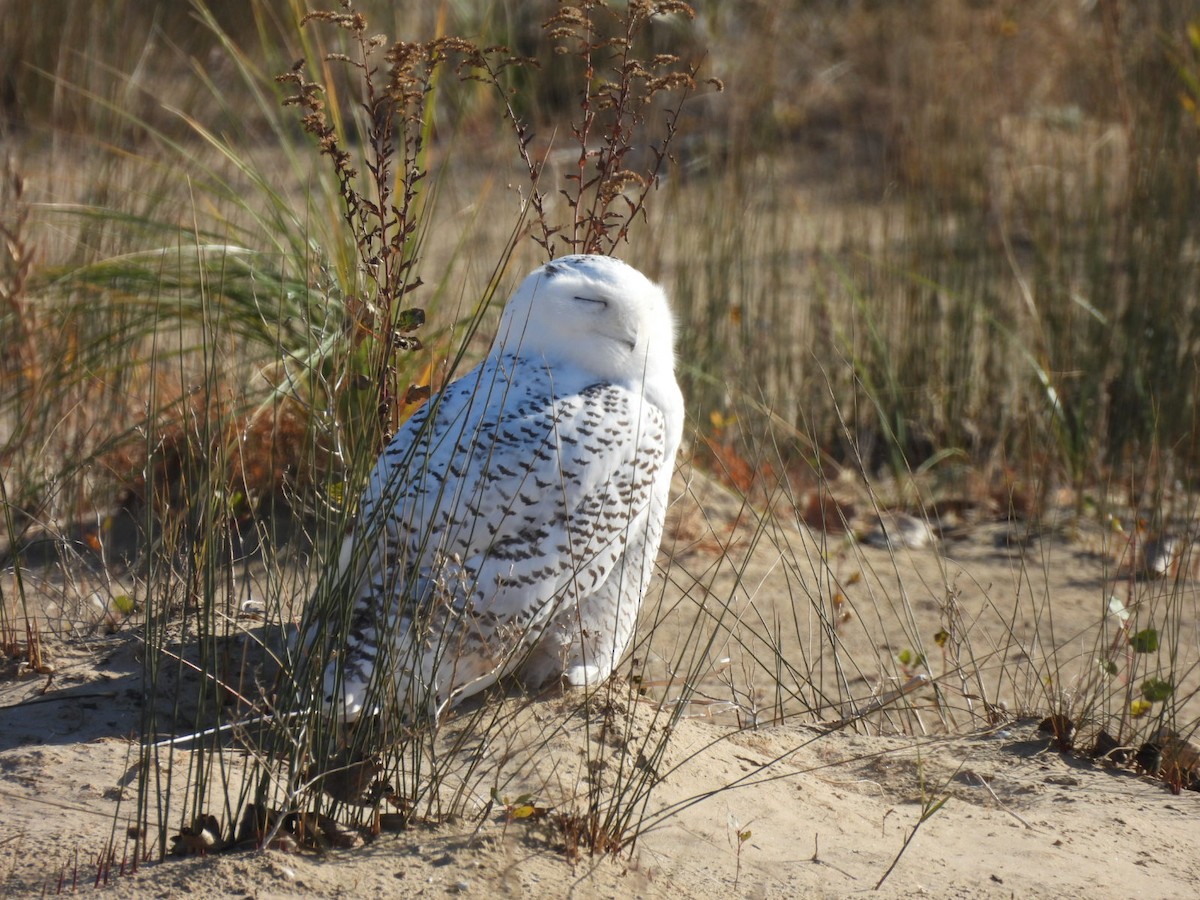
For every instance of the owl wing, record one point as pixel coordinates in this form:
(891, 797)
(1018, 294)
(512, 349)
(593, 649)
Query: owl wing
(526, 495)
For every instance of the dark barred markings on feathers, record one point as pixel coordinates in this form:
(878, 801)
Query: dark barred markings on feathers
(511, 524)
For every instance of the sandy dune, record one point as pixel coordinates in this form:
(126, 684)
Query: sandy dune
(791, 808)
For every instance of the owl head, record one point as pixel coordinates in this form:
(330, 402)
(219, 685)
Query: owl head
(595, 313)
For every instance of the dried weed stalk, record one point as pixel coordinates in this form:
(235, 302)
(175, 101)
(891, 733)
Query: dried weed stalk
(384, 216)
(619, 86)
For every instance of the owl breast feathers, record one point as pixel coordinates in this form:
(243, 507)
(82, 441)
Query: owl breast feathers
(511, 525)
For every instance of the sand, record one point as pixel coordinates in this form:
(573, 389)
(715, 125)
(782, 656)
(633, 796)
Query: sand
(950, 794)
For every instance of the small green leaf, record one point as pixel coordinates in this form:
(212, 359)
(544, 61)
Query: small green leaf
(1108, 667)
(941, 637)
(410, 319)
(124, 604)
(1145, 641)
(905, 657)
(1156, 690)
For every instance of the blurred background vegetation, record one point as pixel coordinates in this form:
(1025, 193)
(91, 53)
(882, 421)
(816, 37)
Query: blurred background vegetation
(949, 234)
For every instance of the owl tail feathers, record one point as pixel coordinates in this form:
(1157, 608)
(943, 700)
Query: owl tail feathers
(344, 695)
(348, 695)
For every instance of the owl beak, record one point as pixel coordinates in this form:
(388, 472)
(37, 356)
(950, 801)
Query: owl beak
(625, 333)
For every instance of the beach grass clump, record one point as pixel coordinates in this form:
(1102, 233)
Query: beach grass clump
(334, 320)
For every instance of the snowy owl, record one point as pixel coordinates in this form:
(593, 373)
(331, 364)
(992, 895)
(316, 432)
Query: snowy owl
(511, 525)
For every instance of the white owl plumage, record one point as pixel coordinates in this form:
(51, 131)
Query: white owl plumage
(511, 525)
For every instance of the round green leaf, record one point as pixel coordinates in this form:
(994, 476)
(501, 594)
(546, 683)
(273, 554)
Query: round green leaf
(1145, 641)
(1156, 690)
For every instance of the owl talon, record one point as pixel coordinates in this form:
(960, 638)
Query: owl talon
(583, 676)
